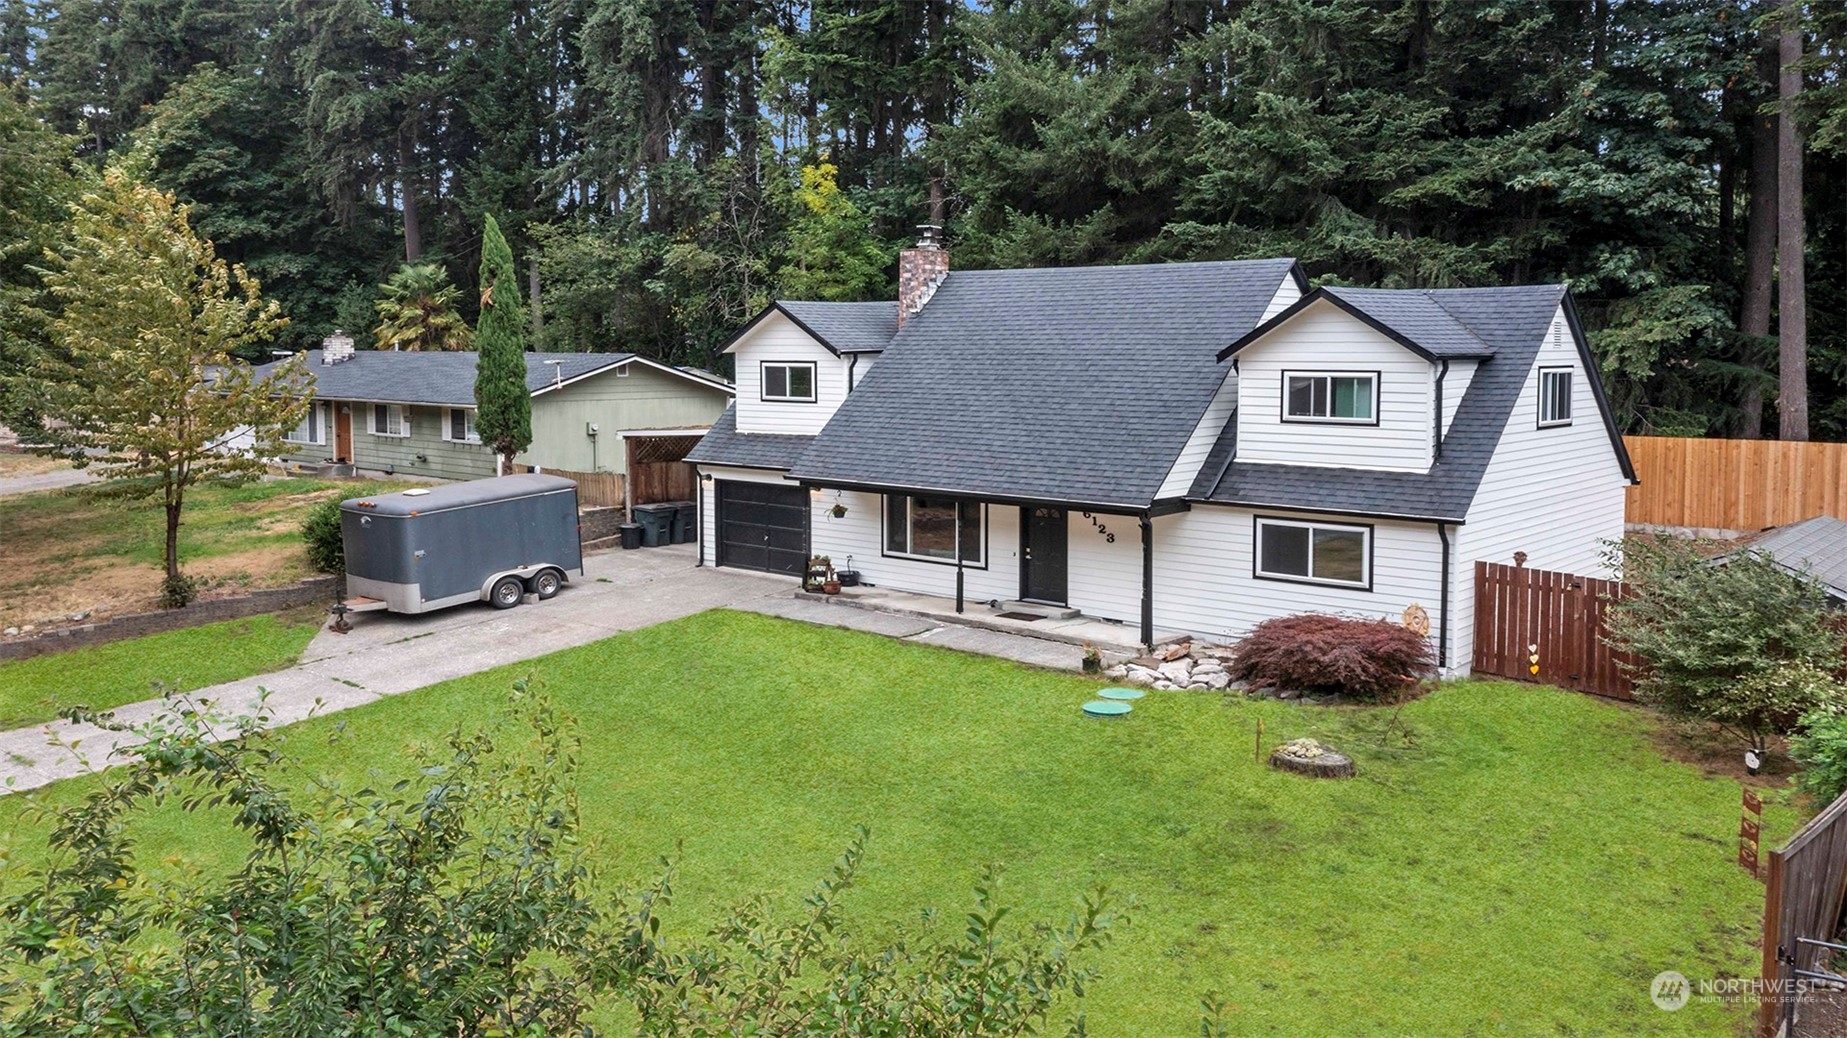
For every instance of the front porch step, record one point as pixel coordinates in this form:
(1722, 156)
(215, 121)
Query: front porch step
(1050, 612)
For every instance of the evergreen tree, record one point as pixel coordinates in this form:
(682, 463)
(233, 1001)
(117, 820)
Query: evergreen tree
(503, 406)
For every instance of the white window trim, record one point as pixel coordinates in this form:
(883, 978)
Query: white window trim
(1570, 388)
(403, 413)
(1371, 376)
(318, 414)
(1258, 571)
(814, 381)
(967, 563)
(449, 425)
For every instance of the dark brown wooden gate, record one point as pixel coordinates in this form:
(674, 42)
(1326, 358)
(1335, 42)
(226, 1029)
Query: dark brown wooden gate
(1803, 887)
(1521, 613)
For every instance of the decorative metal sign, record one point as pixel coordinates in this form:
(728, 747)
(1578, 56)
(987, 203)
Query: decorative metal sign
(1749, 827)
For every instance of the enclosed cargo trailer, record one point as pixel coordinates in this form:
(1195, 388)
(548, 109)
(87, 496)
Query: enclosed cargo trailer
(487, 540)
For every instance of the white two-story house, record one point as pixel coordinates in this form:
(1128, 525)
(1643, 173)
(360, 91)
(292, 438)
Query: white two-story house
(1185, 447)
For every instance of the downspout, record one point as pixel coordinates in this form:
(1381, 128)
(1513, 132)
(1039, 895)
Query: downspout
(853, 362)
(1443, 602)
(1436, 433)
(699, 514)
(1147, 525)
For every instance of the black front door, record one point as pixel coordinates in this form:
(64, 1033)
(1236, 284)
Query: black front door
(1042, 558)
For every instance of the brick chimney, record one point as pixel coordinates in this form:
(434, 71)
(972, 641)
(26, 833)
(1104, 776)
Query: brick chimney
(336, 348)
(921, 268)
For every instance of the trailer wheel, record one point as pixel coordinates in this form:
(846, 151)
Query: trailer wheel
(507, 593)
(547, 583)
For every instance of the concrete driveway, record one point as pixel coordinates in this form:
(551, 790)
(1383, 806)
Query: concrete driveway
(387, 654)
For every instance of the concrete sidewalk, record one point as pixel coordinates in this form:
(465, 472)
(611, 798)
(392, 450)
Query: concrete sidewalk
(387, 654)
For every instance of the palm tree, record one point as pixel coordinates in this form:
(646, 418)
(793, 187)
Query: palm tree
(416, 311)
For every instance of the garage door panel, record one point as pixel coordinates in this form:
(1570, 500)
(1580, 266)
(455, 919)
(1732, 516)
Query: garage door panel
(762, 526)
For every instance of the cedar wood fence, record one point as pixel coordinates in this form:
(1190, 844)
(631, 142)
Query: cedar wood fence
(1527, 617)
(1734, 484)
(1803, 885)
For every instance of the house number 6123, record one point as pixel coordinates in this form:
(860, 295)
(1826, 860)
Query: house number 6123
(1108, 537)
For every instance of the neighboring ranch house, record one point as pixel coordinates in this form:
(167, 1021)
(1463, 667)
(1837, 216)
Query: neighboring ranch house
(415, 412)
(1184, 448)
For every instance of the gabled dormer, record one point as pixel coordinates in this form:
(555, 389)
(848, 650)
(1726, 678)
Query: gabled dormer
(797, 361)
(1353, 378)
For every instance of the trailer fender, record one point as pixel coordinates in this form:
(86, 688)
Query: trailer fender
(523, 573)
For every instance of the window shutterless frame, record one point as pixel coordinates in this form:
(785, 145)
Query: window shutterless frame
(313, 424)
(465, 418)
(1550, 379)
(776, 381)
(1258, 523)
(885, 551)
(379, 419)
(1373, 377)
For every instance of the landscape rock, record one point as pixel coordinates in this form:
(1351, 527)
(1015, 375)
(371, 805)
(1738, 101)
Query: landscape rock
(1147, 662)
(1177, 671)
(1118, 671)
(11, 631)
(80, 617)
(1164, 686)
(1289, 693)
(1198, 686)
(1218, 679)
(1174, 652)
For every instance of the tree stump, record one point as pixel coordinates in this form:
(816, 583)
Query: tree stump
(1308, 757)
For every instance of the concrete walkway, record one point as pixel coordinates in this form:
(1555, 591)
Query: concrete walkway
(387, 654)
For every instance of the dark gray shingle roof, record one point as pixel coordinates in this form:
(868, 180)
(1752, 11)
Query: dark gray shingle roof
(1816, 546)
(446, 378)
(724, 445)
(1511, 320)
(1077, 385)
(847, 327)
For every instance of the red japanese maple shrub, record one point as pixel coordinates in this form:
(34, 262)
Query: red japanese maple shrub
(1367, 659)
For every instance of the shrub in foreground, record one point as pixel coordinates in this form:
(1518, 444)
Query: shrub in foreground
(321, 532)
(458, 902)
(1737, 645)
(1368, 659)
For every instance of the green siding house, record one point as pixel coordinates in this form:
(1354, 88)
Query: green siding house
(414, 413)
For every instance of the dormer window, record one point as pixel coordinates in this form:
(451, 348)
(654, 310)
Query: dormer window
(1331, 396)
(788, 381)
(1554, 397)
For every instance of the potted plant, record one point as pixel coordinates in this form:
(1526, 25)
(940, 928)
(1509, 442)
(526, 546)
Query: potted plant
(1093, 659)
(831, 584)
(819, 569)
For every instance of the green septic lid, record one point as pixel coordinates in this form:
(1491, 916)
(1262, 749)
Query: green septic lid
(1127, 695)
(1106, 708)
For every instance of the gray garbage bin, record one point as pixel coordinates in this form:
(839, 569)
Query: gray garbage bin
(656, 524)
(683, 513)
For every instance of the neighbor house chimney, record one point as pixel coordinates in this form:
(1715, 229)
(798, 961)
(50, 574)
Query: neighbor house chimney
(921, 268)
(336, 348)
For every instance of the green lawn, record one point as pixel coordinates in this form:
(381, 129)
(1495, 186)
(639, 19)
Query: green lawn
(1512, 859)
(102, 676)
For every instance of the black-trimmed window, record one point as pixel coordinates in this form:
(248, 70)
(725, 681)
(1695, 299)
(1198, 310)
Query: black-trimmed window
(1554, 396)
(931, 528)
(789, 381)
(1331, 396)
(1314, 552)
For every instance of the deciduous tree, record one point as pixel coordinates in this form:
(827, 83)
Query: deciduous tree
(143, 385)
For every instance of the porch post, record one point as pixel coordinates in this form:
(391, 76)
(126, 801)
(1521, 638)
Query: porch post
(958, 529)
(1147, 525)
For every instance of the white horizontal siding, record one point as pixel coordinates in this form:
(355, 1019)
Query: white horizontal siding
(860, 535)
(779, 339)
(1203, 580)
(708, 500)
(1555, 494)
(1455, 385)
(1326, 338)
(1224, 404)
(1104, 578)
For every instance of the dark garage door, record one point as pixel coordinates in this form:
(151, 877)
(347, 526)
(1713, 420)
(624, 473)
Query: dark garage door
(762, 526)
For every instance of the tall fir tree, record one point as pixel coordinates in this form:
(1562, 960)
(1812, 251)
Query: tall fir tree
(503, 406)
